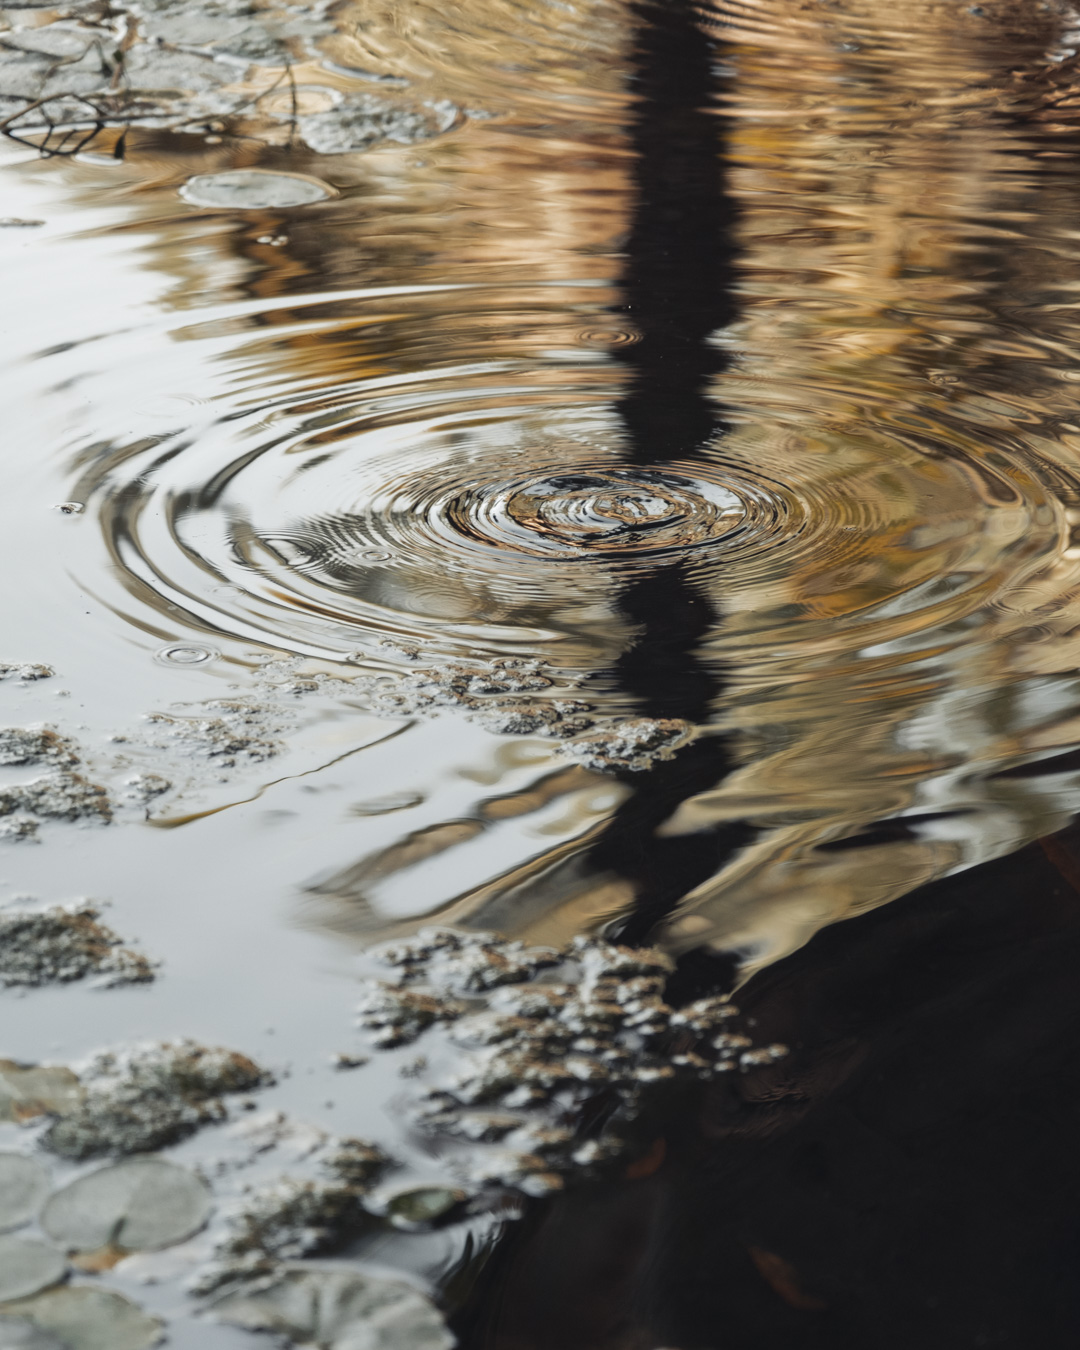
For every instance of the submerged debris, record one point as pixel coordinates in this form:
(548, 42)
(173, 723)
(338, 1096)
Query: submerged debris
(636, 743)
(294, 1218)
(536, 1054)
(239, 734)
(495, 695)
(490, 692)
(25, 670)
(167, 64)
(339, 1310)
(56, 946)
(150, 1096)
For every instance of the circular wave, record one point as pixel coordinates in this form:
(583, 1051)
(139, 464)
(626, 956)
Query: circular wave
(474, 516)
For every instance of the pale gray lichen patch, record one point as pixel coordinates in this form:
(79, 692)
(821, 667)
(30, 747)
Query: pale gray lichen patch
(38, 744)
(57, 796)
(237, 732)
(633, 743)
(19, 827)
(534, 1055)
(494, 694)
(295, 1217)
(58, 945)
(24, 670)
(526, 698)
(149, 1096)
(464, 962)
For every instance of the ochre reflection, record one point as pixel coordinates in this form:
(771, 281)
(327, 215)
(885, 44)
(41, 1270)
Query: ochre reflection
(904, 624)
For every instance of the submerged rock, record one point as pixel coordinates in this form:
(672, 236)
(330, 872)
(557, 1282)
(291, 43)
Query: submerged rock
(150, 1096)
(56, 946)
(141, 1205)
(339, 1310)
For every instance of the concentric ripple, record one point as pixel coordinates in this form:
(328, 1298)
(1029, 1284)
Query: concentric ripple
(479, 517)
(610, 513)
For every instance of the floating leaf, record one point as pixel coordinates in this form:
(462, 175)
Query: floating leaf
(141, 1205)
(17, 1334)
(82, 1318)
(27, 1091)
(28, 1266)
(24, 1184)
(340, 1310)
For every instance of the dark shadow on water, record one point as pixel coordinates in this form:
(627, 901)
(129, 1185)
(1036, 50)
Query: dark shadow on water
(677, 290)
(907, 1177)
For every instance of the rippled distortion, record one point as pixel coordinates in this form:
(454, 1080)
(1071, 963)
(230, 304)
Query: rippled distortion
(696, 412)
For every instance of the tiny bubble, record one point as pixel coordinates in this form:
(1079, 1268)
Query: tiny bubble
(183, 654)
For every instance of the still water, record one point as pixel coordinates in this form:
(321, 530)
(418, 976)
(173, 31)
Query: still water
(647, 506)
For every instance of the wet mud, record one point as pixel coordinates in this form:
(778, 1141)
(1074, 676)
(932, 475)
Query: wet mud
(539, 729)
